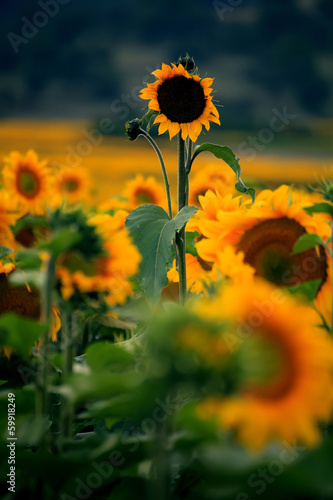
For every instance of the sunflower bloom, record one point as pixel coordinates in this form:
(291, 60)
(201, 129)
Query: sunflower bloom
(214, 177)
(266, 233)
(286, 363)
(183, 102)
(108, 273)
(142, 191)
(72, 186)
(27, 181)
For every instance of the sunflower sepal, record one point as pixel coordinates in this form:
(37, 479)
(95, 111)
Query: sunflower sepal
(322, 208)
(190, 242)
(306, 242)
(153, 232)
(148, 116)
(308, 290)
(224, 153)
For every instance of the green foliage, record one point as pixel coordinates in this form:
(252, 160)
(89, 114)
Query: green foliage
(324, 208)
(308, 289)
(4, 251)
(224, 153)
(153, 232)
(307, 241)
(19, 333)
(191, 241)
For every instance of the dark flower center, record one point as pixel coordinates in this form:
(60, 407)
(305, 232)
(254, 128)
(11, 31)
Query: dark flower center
(181, 99)
(268, 247)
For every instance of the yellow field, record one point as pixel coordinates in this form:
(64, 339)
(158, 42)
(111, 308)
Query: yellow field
(112, 161)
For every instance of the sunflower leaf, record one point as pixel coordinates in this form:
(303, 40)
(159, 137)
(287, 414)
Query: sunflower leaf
(224, 153)
(308, 289)
(153, 232)
(324, 208)
(4, 251)
(19, 333)
(191, 242)
(307, 241)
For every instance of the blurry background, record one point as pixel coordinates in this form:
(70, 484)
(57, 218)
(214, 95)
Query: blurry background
(87, 60)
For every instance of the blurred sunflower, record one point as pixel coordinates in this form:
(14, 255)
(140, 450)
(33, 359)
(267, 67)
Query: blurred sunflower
(109, 272)
(141, 191)
(285, 362)
(72, 186)
(266, 234)
(27, 181)
(183, 101)
(200, 274)
(8, 217)
(213, 177)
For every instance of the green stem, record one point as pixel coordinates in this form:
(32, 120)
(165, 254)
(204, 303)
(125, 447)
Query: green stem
(69, 331)
(164, 172)
(180, 237)
(42, 393)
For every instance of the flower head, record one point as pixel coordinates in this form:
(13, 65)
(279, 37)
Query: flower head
(183, 101)
(285, 361)
(27, 180)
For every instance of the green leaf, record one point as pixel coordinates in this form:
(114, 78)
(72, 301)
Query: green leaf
(323, 208)
(4, 251)
(29, 259)
(307, 241)
(308, 289)
(107, 357)
(63, 241)
(191, 242)
(153, 232)
(224, 153)
(19, 333)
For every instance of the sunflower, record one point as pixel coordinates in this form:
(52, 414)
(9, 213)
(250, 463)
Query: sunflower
(266, 234)
(27, 181)
(72, 186)
(141, 191)
(8, 217)
(107, 273)
(200, 274)
(183, 101)
(213, 177)
(285, 364)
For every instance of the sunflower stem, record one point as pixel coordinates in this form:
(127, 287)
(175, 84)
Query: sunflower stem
(69, 327)
(42, 395)
(164, 172)
(180, 236)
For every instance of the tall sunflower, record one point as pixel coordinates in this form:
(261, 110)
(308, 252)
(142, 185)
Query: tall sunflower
(183, 101)
(285, 364)
(27, 180)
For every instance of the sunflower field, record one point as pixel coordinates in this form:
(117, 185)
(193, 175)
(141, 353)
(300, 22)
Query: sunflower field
(165, 345)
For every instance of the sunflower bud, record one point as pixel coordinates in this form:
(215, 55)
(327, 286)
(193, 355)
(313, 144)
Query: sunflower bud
(188, 63)
(133, 129)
